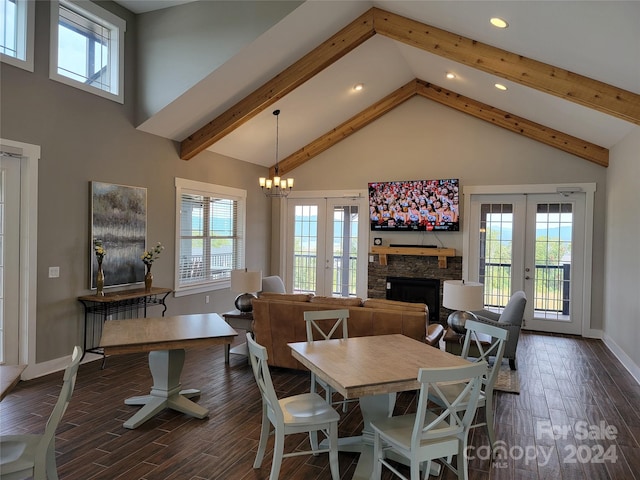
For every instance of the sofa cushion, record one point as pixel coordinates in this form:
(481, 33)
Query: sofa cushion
(395, 305)
(289, 297)
(338, 301)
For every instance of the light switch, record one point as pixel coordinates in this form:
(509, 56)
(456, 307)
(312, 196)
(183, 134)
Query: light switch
(54, 272)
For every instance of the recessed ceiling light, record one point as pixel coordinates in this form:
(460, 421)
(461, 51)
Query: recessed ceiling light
(358, 86)
(499, 22)
(499, 86)
(451, 75)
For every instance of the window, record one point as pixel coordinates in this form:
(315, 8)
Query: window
(87, 48)
(16, 32)
(210, 236)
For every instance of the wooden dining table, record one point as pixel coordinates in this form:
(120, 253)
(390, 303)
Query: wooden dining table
(165, 338)
(373, 369)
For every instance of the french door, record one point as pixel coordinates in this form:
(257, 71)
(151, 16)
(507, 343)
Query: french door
(326, 246)
(535, 243)
(9, 258)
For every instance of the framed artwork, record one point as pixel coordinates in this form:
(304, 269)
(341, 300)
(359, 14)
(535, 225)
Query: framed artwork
(119, 221)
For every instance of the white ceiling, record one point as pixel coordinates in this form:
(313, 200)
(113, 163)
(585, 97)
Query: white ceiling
(143, 6)
(597, 39)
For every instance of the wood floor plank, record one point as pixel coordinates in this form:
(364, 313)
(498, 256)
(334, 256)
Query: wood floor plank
(564, 380)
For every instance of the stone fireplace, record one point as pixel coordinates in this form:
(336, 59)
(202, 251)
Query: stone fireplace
(419, 267)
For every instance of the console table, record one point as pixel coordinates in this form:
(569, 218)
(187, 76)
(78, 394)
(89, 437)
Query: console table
(117, 305)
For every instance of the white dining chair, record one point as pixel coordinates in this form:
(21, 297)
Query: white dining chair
(425, 436)
(304, 413)
(489, 344)
(321, 325)
(34, 455)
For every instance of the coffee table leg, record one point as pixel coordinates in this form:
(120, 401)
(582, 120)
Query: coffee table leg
(166, 367)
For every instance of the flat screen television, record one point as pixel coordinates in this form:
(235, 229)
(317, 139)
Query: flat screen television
(414, 205)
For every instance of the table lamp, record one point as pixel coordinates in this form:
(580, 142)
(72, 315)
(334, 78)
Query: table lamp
(463, 297)
(245, 283)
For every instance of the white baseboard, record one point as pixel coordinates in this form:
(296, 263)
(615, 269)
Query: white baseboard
(593, 333)
(620, 354)
(55, 365)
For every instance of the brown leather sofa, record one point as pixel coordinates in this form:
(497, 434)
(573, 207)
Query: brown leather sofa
(279, 319)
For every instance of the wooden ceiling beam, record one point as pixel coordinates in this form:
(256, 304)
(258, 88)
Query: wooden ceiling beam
(522, 126)
(532, 73)
(354, 34)
(346, 129)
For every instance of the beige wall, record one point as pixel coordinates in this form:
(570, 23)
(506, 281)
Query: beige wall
(421, 139)
(622, 273)
(84, 138)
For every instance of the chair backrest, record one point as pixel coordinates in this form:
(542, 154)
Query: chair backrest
(475, 333)
(68, 384)
(258, 357)
(273, 284)
(514, 309)
(453, 420)
(326, 329)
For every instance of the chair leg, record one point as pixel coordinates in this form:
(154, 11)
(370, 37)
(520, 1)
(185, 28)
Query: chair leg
(376, 472)
(462, 465)
(512, 363)
(313, 440)
(427, 470)
(264, 437)
(415, 470)
(333, 452)
(278, 451)
(488, 416)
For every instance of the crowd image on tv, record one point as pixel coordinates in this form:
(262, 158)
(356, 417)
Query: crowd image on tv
(414, 205)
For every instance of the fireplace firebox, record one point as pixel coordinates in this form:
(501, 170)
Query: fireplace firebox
(416, 290)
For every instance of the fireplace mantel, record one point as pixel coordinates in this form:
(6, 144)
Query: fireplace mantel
(441, 253)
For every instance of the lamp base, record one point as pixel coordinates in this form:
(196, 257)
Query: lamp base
(457, 320)
(244, 302)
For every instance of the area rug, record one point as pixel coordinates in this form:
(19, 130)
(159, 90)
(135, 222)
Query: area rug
(508, 380)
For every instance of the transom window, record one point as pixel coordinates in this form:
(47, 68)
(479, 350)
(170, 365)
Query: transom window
(210, 236)
(87, 45)
(17, 32)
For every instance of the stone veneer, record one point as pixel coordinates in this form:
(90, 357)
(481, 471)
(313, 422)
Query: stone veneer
(412, 266)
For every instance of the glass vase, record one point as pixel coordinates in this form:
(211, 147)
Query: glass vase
(100, 281)
(148, 279)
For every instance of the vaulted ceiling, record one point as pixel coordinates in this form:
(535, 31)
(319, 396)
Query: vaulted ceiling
(572, 70)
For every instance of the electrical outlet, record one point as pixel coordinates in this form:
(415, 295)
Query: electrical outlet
(54, 272)
(206, 299)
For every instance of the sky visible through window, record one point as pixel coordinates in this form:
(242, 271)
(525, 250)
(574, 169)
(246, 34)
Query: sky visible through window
(8, 33)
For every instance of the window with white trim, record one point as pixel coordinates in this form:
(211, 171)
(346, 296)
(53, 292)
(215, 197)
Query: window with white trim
(87, 48)
(17, 32)
(210, 236)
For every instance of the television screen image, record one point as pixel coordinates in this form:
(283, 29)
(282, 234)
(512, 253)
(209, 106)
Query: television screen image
(415, 205)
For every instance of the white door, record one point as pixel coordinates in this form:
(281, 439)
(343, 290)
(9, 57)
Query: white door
(327, 246)
(9, 258)
(535, 243)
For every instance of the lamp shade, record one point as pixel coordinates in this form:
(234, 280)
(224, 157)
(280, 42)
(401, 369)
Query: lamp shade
(243, 281)
(461, 295)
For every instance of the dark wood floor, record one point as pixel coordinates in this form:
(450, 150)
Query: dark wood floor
(569, 382)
